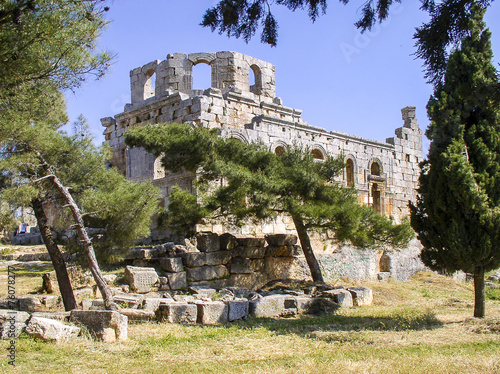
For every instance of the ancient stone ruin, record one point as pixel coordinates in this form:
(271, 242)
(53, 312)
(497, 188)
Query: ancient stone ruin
(241, 102)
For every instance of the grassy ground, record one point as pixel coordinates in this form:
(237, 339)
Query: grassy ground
(420, 326)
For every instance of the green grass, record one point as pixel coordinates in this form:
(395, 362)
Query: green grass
(420, 326)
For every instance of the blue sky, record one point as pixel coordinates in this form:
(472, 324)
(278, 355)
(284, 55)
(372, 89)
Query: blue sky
(342, 80)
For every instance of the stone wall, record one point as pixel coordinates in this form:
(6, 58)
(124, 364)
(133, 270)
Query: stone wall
(226, 261)
(384, 173)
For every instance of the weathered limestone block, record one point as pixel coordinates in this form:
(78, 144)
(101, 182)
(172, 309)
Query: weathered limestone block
(30, 304)
(129, 300)
(278, 240)
(193, 259)
(178, 312)
(93, 304)
(212, 312)
(177, 281)
(283, 251)
(208, 242)
(228, 242)
(203, 273)
(138, 314)
(251, 242)
(251, 252)
(218, 258)
(50, 330)
(12, 323)
(268, 306)
(340, 296)
(252, 280)
(58, 316)
(140, 279)
(303, 303)
(361, 295)
(172, 265)
(105, 325)
(238, 309)
(77, 276)
(202, 291)
(240, 265)
(153, 303)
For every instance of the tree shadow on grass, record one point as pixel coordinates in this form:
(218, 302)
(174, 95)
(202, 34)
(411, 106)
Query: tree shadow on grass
(305, 325)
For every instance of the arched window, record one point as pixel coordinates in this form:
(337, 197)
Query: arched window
(375, 168)
(255, 79)
(149, 86)
(349, 172)
(202, 76)
(317, 154)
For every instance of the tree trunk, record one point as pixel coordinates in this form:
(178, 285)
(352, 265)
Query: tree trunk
(109, 304)
(305, 243)
(479, 294)
(56, 256)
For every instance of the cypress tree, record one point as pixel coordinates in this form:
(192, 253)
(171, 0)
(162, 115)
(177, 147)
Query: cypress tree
(457, 215)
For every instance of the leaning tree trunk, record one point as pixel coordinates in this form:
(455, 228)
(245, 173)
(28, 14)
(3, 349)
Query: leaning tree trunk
(55, 255)
(109, 304)
(479, 294)
(305, 243)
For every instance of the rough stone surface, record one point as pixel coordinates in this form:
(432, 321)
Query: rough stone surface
(77, 276)
(177, 281)
(172, 265)
(12, 323)
(138, 314)
(238, 309)
(361, 295)
(129, 300)
(105, 325)
(212, 312)
(240, 265)
(178, 313)
(218, 258)
(268, 306)
(228, 242)
(202, 291)
(208, 242)
(194, 259)
(206, 273)
(140, 279)
(50, 330)
(279, 240)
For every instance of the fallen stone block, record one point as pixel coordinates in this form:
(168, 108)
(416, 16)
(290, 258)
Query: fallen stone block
(361, 295)
(178, 313)
(138, 315)
(58, 316)
(303, 303)
(279, 240)
(128, 300)
(105, 325)
(12, 323)
(202, 291)
(152, 304)
(268, 306)
(207, 242)
(110, 279)
(30, 304)
(177, 281)
(212, 312)
(50, 330)
(238, 309)
(141, 279)
(93, 304)
(172, 265)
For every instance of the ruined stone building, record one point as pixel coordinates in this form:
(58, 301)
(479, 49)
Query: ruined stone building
(242, 103)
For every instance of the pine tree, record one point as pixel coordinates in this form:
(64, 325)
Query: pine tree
(258, 184)
(457, 215)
